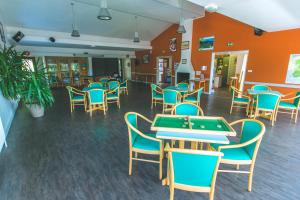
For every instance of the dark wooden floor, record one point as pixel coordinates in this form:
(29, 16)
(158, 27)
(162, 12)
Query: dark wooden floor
(74, 157)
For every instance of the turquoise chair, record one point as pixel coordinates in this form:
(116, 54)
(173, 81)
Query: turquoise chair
(285, 105)
(76, 97)
(261, 88)
(156, 95)
(96, 100)
(104, 80)
(184, 86)
(193, 170)
(245, 151)
(187, 109)
(113, 85)
(124, 87)
(193, 97)
(141, 143)
(113, 96)
(267, 103)
(95, 85)
(239, 100)
(170, 98)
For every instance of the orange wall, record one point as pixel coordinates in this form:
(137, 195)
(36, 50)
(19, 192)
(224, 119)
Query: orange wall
(160, 47)
(268, 54)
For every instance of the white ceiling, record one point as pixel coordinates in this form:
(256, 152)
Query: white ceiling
(56, 15)
(269, 15)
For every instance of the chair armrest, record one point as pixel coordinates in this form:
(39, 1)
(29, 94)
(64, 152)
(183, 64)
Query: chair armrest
(290, 98)
(288, 94)
(233, 146)
(146, 119)
(188, 94)
(113, 91)
(78, 92)
(146, 136)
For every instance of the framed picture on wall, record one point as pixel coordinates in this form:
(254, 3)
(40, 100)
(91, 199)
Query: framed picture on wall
(293, 72)
(172, 44)
(184, 61)
(146, 59)
(185, 45)
(206, 43)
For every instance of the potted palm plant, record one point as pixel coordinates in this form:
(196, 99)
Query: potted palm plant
(36, 93)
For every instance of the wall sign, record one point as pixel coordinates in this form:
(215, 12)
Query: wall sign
(185, 45)
(206, 43)
(293, 73)
(184, 61)
(172, 44)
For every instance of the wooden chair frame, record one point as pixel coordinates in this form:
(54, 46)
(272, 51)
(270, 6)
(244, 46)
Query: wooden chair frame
(170, 173)
(96, 83)
(200, 111)
(115, 82)
(251, 163)
(97, 106)
(124, 89)
(192, 93)
(166, 105)
(136, 151)
(156, 100)
(239, 104)
(273, 113)
(293, 111)
(113, 100)
(73, 102)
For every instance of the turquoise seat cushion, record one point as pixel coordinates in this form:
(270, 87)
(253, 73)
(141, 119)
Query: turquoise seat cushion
(235, 154)
(287, 105)
(112, 95)
(146, 144)
(216, 146)
(193, 169)
(190, 98)
(78, 98)
(241, 100)
(157, 96)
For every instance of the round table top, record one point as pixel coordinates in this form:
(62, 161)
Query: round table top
(85, 89)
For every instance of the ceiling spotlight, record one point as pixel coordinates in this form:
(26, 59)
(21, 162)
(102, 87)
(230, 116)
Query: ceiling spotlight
(104, 13)
(212, 7)
(75, 31)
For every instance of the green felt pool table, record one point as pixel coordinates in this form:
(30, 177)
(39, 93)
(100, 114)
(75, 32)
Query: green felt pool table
(192, 124)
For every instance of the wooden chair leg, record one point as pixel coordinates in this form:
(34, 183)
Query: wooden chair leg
(237, 167)
(296, 116)
(151, 103)
(231, 107)
(171, 192)
(212, 194)
(160, 164)
(130, 163)
(250, 178)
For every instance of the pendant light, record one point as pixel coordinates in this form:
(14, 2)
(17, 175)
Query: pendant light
(75, 32)
(104, 13)
(136, 37)
(181, 28)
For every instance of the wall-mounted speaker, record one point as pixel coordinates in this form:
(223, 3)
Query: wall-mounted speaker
(258, 32)
(52, 39)
(18, 36)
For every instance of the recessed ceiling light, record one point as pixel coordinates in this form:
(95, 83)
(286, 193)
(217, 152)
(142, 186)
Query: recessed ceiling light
(212, 7)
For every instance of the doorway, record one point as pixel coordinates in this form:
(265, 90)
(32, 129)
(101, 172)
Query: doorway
(164, 70)
(226, 66)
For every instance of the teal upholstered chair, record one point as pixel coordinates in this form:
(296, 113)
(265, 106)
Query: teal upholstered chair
(170, 98)
(193, 97)
(113, 96)
(104, 80)
(187, 109)
(267, 103)
(76, 97)
(285, 105)
(239, 100)
(142, 143)
(183, 85)
(113, 85)
(261, 88)
(96, 85)
(245, 151)
(156, 95)
(124, 87)
(96, 100)
(193, 170)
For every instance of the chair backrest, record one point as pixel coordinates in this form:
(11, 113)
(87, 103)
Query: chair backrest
(124, 83)
(69, 88)
(187, 109)
(297, 99)
(96, 96)
(131, 119)
(153, 89)
(267, 101)
(113, 84)
(183, 85)
(261, 88)
(95, 85)
(252, 132)
(170, 96)
(194, 165)
(199, 93)
(104, 80)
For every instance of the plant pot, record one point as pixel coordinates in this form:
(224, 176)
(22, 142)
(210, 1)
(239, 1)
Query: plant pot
(35, 110)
